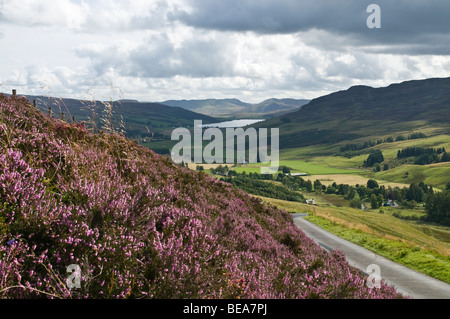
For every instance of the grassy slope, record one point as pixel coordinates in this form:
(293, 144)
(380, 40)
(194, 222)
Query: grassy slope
(364, 112)
(436, 175)
(310, 137)
(136, 116)
(321, 159)
(302, 167)
(425, 248)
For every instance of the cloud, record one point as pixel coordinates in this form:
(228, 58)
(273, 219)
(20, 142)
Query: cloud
(159, 50)
(86, 16)
(413, 26)
(160, 56)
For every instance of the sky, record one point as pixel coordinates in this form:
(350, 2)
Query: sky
(199, 49)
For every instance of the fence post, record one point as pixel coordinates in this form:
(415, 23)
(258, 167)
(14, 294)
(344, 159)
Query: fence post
(14, 92)
(34, 103)
(62, 116)
(50, 111)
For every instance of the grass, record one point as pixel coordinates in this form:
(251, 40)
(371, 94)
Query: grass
(318, 160)
(390, 149)
(301, 166)
(315, 169)
(349, 179)
(419, 246)
(436, 175)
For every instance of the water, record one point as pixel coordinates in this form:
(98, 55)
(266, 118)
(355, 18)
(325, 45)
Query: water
(233, 123)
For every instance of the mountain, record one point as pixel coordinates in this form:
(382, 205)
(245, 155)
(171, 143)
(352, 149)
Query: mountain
(130, 224)
(238, 109)
(363, 111)
(138, 117)
(275, 107)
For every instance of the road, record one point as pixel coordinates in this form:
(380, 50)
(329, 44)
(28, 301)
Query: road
(408, 282)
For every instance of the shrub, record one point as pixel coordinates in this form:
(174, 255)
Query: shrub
(139, 226)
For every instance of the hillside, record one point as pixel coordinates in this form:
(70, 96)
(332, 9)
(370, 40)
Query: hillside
(138, 117)
(237, 108)
(138, 226)
(363, 111)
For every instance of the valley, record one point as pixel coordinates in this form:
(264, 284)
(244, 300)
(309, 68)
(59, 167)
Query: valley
(348, 175)
(426, 244)
(197, 155)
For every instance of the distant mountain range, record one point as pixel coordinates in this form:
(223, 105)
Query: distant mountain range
(238, 109)
(164, 116)
(362, 112)
(138, 117)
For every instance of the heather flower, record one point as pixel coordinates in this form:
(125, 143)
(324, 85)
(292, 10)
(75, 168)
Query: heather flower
(139, 226)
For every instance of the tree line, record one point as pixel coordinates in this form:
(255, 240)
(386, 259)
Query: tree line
(355, 149)
(437, 204)
(255, 184)
(438, 207)
(424, 156)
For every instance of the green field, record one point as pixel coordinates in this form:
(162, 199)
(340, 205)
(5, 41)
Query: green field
(300, 166)
(435, 174)
(418, 245)
(320, 160)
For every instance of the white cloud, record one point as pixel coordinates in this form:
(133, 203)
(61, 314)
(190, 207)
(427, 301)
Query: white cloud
(157, 50)
(62, 13)
(87, 16)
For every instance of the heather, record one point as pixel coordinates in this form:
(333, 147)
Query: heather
(140, 226)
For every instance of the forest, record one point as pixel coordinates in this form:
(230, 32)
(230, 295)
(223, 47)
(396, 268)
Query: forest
(424, 156)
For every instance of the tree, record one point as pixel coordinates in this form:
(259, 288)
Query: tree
(344, 189)
(352, 193)
(284, 169)
(371, 183)
(308, 185)
(317, 185)
(438, 207)
(374, 201)
(331, 190)
(375, 157)
(356, 201)
(380, 200)
(445, 157)
(415, 193)
(232, 173)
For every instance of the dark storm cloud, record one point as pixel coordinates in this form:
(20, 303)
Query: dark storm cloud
(407, 26)
(265, 16)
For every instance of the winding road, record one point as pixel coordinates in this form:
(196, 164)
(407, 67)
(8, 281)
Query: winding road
(408, 282)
